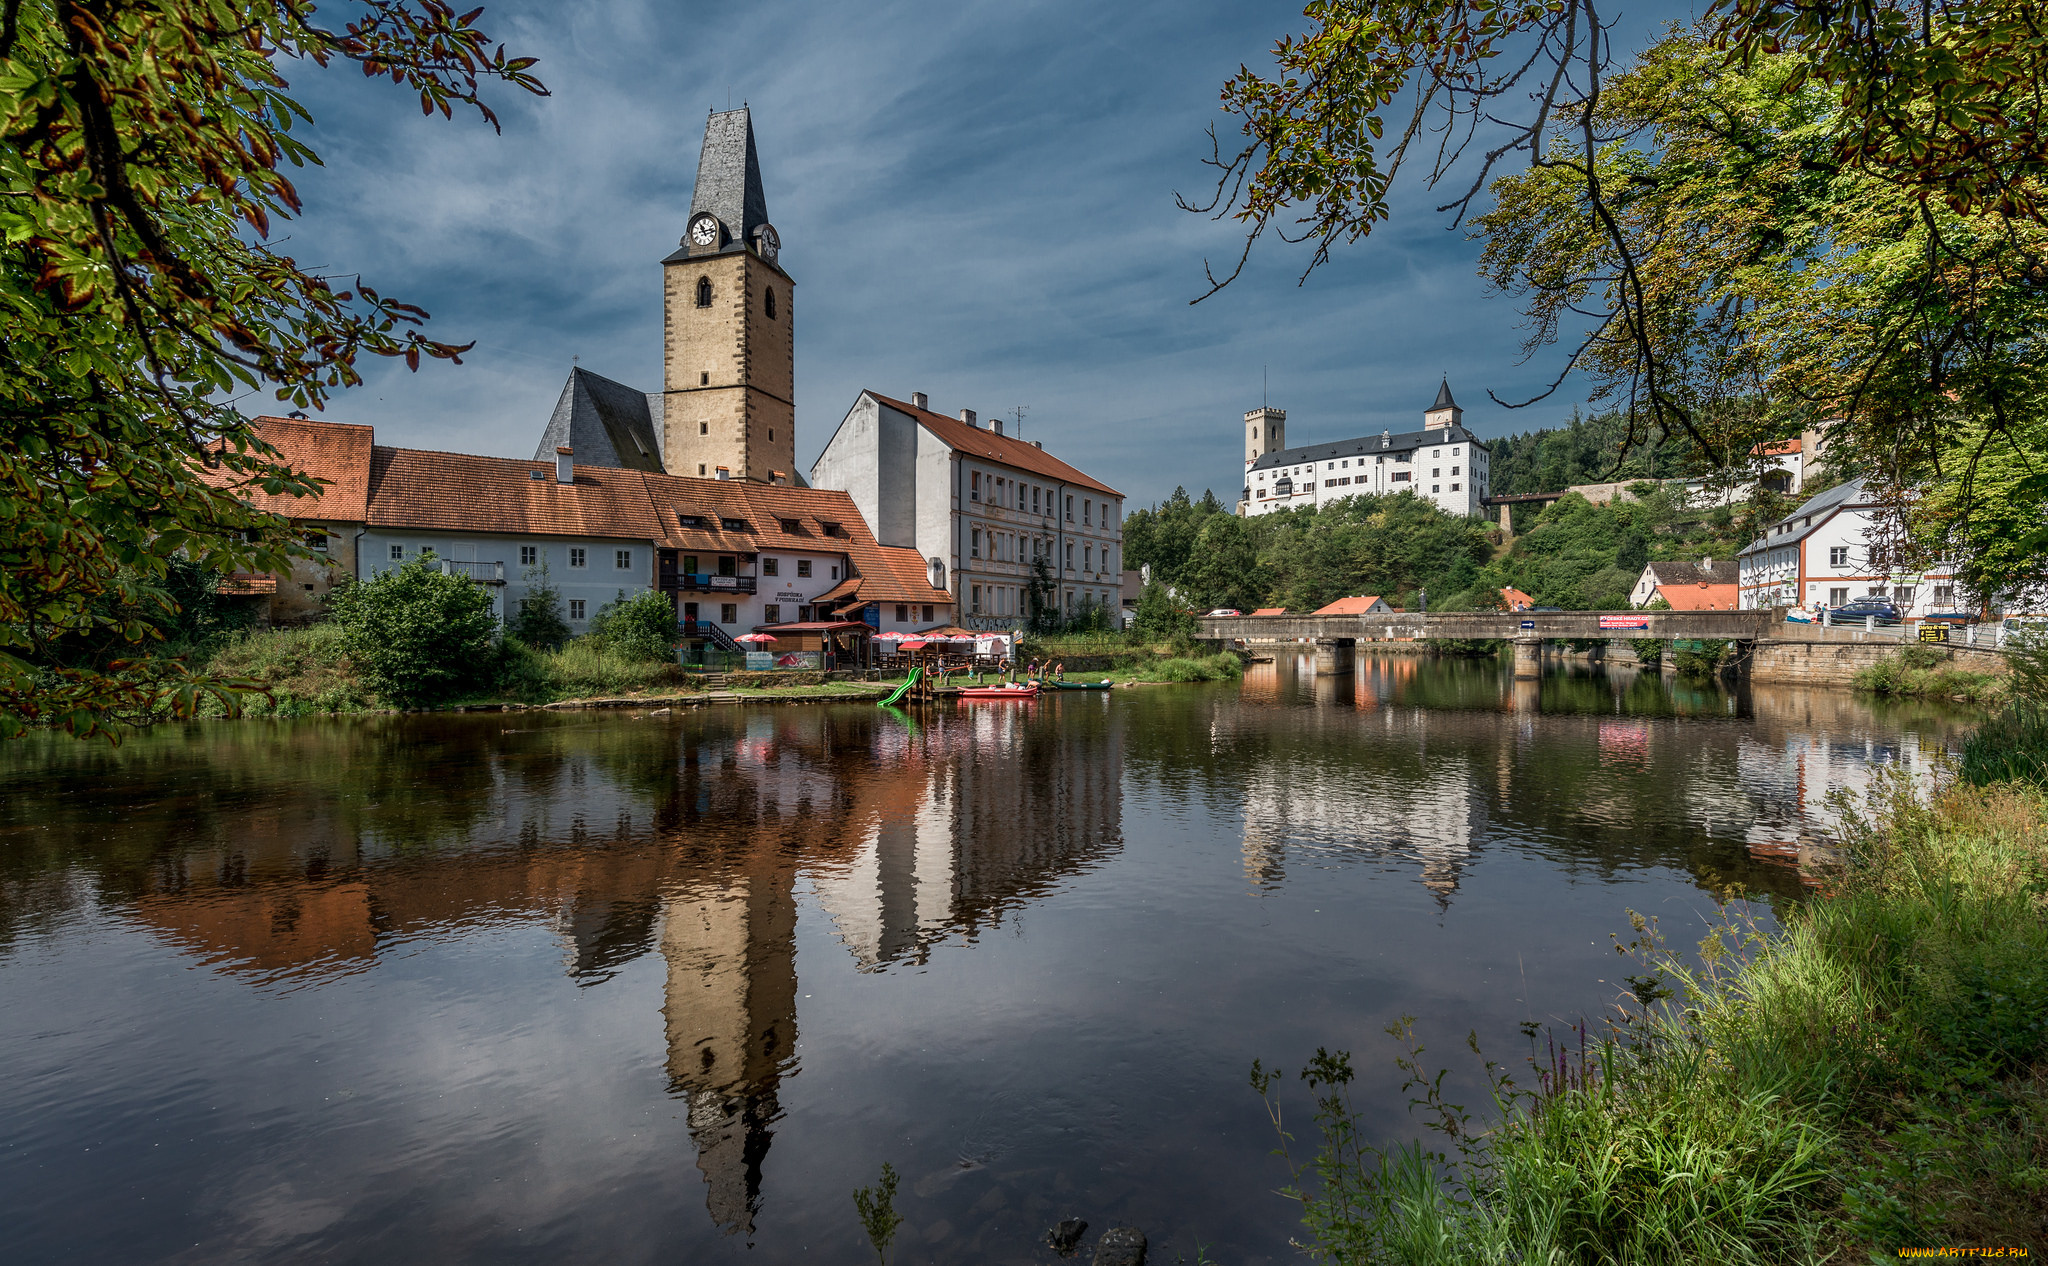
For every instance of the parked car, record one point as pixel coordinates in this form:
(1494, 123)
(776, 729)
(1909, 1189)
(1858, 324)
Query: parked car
(1224, 611)
(1557, 610)
(1862, 609)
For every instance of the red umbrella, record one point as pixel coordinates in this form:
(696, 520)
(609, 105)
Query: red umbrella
(917, 645)
(892, 636)
(757, 637)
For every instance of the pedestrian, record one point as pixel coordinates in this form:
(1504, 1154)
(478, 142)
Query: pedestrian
(1059, 671)
(1422, 600)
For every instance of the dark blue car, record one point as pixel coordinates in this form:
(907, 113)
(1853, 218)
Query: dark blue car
(1863, 608)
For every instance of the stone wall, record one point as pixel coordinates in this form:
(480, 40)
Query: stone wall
(1837, 663)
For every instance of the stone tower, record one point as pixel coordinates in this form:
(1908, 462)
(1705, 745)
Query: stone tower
(729, 354)
(1445, 413)
(1265, 431)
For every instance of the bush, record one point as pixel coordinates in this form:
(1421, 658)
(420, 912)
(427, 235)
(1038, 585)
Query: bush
(640, 629)
(1924, 671)
(1699, 659)
(416, 635)
(1222, 666)
(539, 622)
(1159, 617)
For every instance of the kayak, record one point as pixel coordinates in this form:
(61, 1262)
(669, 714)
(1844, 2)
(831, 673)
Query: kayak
(1076, 685)
(999, 692)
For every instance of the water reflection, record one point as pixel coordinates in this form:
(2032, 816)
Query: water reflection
(623, 835)
(1215, 873)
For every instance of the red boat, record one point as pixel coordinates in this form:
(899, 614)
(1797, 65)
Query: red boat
(999, 692)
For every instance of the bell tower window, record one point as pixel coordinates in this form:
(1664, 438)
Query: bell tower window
(703, 292)
(771, 303)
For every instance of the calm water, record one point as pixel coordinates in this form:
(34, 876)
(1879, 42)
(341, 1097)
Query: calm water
(597, 986)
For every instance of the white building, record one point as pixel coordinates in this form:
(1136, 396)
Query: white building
(1444, 464)
(1820, 554)
(978, 506)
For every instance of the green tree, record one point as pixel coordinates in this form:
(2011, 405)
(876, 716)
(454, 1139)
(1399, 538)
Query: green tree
(143, 152)
(1798, 214)
(417, 634)
(1161, 619)
(1042, 597)
(642, 627)
(539, 621)
(1224, 571)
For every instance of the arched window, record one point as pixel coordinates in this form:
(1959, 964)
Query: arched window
(703, 292)
(771, 303)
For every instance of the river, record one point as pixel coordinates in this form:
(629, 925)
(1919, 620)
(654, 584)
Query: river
(612, 986)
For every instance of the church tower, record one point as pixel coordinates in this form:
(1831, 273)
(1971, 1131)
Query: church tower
(729, 351)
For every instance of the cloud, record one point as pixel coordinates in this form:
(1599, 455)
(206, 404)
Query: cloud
(976, 201)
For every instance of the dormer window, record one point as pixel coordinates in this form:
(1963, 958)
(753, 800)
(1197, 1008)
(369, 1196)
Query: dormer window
(690, 520)
(733, 525)
(833, 529)
(703, 292)
(790, 526)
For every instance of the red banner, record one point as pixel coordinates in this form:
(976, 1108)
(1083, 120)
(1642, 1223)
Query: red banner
(1624, 622)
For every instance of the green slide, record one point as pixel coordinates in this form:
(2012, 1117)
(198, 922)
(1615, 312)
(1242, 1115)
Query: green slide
(903, 689)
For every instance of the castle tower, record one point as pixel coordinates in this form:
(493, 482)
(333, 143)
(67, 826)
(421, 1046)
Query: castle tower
(729, 351)
(1445, 413)
(1265, 431)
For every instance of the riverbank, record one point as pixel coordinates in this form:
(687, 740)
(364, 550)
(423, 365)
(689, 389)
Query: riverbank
(306, 672)
(1929, 672)
(1872, 1077)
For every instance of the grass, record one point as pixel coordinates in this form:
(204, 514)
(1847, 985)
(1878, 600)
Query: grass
(1222, 666)
(1872, 1076)
(1927, 672)
(301, 671)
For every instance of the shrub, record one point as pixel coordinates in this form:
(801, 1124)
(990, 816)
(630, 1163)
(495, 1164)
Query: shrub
(641, 628)
(418, 636)
(1927, 671)
(299, 671)
(539, 622)
(1699, 659)
(1221, 666)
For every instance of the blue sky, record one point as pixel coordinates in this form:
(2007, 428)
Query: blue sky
(975, 201)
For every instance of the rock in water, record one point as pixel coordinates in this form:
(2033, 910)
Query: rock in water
(1065, 1236)
(1121, 1246)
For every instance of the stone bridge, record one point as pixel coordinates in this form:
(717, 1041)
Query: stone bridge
(1768, 647)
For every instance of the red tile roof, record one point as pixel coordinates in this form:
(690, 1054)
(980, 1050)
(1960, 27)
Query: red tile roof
(461, 492)
(1700, 597)
(1007, 450)
(336, 452)
(1270, 611)
(1514, 599)
(1349, 606)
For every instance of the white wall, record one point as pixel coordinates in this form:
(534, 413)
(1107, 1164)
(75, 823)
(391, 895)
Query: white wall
(599, 581)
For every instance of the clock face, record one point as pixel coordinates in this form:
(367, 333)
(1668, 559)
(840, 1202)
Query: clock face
(769, 242)
(704, 230)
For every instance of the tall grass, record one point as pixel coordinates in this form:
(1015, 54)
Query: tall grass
(1867, 1078)
(299, 671)
(1928, 672)
(1222, 666)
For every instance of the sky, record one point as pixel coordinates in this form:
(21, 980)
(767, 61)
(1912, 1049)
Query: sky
(975, 201)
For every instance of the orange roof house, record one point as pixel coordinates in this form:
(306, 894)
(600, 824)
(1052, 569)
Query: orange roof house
(1270, 611)
(1372, 604)
(600, 531)
(1513, 599)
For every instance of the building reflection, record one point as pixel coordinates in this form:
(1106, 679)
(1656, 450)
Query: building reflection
(697, 838)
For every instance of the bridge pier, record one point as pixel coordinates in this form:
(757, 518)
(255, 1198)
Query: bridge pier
(1335, 655)
(1528, 657)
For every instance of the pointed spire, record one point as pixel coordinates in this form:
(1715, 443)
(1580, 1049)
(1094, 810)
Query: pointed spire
(1443, 397)
(729, 175)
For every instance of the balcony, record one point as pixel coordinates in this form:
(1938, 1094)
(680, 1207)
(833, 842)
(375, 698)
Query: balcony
(703, 582)
(481, 573)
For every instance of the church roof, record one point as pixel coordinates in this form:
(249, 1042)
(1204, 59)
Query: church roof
(604, 423)
(1443, 398)
(729, 176)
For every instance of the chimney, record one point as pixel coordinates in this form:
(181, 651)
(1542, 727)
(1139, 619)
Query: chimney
(919, 401)
(1386, 439)
(999, 425)
(1039, 445)
(723, 473)
(967, 416)
(565, 465)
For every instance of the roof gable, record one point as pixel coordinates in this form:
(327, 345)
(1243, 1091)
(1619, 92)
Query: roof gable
(336, 452)
(604, 423)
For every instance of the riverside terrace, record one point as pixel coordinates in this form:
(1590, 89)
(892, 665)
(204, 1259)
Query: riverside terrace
(1767, 646)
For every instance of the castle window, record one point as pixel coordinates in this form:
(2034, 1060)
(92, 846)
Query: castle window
(704, 378)
(771, 303)
(703, 428)
(703, 292)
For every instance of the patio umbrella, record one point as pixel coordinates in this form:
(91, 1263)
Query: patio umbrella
(892, 636)
(917, 645)
(757, 637)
